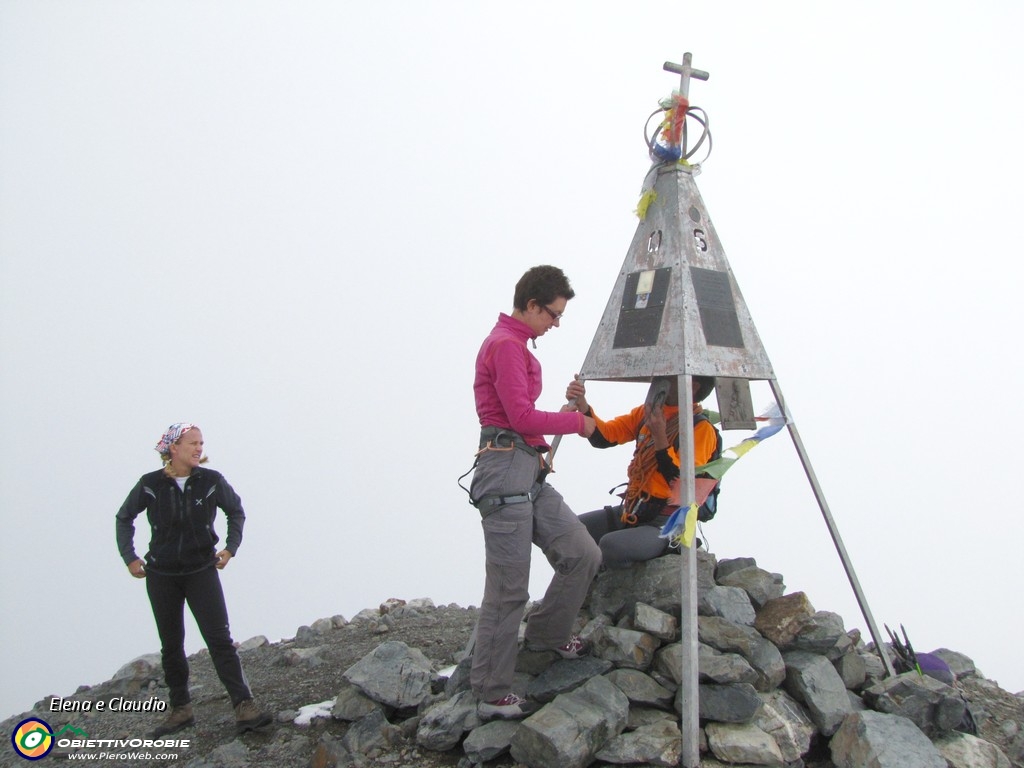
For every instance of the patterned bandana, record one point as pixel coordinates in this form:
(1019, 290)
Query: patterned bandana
(172, 435)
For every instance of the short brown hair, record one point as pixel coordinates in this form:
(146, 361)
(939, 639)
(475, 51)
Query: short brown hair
(542, 284)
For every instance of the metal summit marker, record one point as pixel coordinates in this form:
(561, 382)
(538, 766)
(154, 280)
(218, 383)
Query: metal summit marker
(676, 310)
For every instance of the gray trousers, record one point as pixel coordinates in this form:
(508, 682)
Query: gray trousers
(509, 533)
(621, 544)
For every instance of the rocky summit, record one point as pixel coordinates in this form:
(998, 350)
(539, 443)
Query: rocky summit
(781, 684)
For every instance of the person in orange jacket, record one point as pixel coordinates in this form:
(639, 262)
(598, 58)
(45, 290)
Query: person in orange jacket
(629, 532)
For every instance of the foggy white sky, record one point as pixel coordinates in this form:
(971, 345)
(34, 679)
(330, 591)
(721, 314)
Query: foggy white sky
(293, 223)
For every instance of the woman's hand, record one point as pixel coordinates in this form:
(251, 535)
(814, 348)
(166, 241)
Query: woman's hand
(222, 558)
(576, 391)
(137, 568)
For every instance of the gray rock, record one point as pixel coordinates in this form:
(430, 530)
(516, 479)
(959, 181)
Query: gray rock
(668, 663)
(782, 718)
(639, 715)
(140, 669)
(330, 752)
(366, 616)
(856, 702)
(962, 750)
(459, 679)
(745, 744)
(625, 647)
(370, 735)
(781, 618)
(565, 675)
(234, 754)
(490, 740)
(851, 669)
(421, 604)
(649, 619)
(822, 633)
(813, 680)
(393, 674)
(306, 657)
(877, 740)
(569, 731)
(389, 605)
(931, 705)
(758, 583)
(731, 603)
(657, 743)
(736, 703)
(724, 668)
(616, 591)
(959, 664)
(258, 641)
(532, 663)
(322, 626)
(733, 564)
(352, 704)
(443, 724)
(874, 669)
(640, 689)
(762, 656)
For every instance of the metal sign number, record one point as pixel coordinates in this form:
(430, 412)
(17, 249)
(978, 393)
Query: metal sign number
(699, 239)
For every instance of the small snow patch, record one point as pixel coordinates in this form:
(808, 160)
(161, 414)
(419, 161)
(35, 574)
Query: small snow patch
(308, 712)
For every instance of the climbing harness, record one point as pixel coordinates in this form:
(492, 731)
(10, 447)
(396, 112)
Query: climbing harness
(499, 439)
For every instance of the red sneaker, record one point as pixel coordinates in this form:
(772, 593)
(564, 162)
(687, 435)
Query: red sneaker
(511, 707)
(574, 649)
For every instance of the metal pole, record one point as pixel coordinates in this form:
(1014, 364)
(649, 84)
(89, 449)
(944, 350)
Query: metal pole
(689, 709)
(558, 438)
(833, 530)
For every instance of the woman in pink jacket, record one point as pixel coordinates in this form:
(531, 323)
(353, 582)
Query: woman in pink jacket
(517, 507)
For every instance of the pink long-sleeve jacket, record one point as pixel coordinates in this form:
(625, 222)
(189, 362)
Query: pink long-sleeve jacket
(508, 383)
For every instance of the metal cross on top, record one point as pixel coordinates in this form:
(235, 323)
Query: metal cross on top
(685, 72)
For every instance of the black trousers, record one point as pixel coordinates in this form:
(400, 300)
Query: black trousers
(202, 591)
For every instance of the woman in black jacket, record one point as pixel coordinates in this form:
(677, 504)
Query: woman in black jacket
(181, 501)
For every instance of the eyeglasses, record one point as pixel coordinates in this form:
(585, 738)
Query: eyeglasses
(555, 316)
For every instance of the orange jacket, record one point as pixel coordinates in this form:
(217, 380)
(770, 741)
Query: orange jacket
(630, 427)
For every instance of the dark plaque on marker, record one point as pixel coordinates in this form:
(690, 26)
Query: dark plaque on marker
(643, 304)
(717, 308)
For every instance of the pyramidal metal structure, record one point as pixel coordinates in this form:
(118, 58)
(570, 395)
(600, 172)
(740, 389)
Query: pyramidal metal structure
(676, 310)
(676, 307)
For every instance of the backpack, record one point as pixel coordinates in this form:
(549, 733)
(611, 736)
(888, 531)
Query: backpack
(708, 509)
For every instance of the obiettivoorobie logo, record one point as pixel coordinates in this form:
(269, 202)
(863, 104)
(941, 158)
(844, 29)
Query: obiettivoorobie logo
(33, 738)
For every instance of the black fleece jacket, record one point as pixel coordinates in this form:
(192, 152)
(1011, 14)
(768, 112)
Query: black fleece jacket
(183, 539)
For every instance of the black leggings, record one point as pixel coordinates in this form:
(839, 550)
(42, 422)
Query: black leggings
(202, 591)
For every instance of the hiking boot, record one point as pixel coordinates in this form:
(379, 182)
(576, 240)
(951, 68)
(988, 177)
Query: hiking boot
(180, 718)
(249, 717)
(511, 707)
